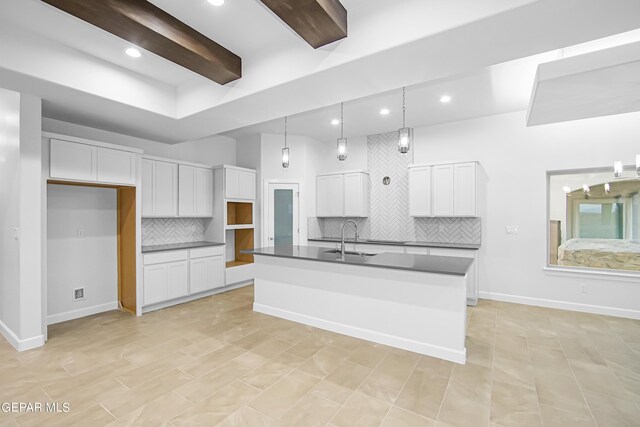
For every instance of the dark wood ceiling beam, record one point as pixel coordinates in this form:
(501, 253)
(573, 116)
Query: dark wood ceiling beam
(319, 22)
(151, 28)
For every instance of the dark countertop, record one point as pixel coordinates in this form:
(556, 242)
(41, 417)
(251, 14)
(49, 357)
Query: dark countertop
(421, 263)
(178, 246)
(474, 246)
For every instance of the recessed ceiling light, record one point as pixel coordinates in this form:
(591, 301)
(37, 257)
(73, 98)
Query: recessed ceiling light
(216, 2)
(335, 122)
(445, 99)
(384, 111)
(133, 52)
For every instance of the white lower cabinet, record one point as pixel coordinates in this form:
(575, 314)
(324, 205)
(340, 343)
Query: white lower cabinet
(474, 273)
(176, 274)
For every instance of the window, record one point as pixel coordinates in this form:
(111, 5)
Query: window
(594, 220)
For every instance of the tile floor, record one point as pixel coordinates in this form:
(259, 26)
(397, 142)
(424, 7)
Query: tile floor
(215, 362)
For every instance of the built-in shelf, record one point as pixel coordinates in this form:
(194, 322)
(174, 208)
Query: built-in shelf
(239, 213)
(239, 227)
(231, 264)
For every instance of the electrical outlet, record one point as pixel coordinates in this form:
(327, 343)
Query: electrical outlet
(78, 294)
(16, 233)
(512, 229)
(584, 288)
(441, 228)
(81, 233)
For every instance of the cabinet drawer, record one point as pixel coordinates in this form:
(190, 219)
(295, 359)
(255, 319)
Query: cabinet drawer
(206, 252)
(164, 257)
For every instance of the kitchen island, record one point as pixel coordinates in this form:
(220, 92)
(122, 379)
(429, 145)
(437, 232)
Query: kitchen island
(413, 302)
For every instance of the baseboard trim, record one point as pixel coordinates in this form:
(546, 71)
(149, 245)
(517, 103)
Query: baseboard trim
(366, 334)
(20, 344)
(81, 312)
(562, 305)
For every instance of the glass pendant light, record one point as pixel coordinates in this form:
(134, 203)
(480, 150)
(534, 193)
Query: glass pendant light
(405, 134)
(285, 150)
(618, 169)
(342, 141)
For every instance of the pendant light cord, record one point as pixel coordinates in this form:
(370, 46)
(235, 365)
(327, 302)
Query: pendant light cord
(341, 120)
(404, 110)
(285, 132)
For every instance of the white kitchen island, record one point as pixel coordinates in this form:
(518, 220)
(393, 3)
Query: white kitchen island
(413, 302)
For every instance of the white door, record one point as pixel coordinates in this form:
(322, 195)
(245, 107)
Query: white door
(443, 190)
(283, 214)
(464, 189)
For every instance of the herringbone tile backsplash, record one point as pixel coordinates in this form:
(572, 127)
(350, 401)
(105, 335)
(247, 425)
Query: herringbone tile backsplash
(166, 231)
(389, 204)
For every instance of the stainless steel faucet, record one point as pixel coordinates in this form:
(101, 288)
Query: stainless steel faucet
(342, 250)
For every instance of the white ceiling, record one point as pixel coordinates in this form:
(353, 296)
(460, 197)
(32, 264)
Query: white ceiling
(83, 76)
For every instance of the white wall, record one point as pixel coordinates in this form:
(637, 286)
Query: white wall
(356, 156)
(20, 220)
(515, 159)
(9, 209)
(88, 261)
(213, 150)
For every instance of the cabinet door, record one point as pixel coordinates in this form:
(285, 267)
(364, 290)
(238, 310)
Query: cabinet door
(443, 190)
(70, 160)
(147, 187)
(464, 189)
(356, 194)
(330, 196)
(232, 183)
(420, 191)
(246, 185)
(177, 279)
(206, 274)
(155, 284)
(165, 189)
(187, 192)
(204, 192)
(116, 166)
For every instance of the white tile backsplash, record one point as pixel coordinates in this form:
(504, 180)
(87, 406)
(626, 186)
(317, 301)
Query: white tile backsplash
(165, 231)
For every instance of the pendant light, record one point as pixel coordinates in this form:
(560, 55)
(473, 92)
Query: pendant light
(285, 150)
(342, 141)
(405, 134)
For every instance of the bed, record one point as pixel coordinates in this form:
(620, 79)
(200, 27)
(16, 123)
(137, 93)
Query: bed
(611, 254)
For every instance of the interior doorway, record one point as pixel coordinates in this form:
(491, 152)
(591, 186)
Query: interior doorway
(283, 200)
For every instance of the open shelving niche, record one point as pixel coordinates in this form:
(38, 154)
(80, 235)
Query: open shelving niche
(234, 224)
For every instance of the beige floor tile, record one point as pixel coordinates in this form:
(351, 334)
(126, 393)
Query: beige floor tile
(423, 393)
(514, 371)
(217, 407)
(202, 387)
(309, 411)
(554, 417)
(397, 417)
(203, 347)
(281, 396)
(307, 347)
(142, 374)
(369, 355)
(152, 354)
(467, 399)
(361, 410)
(598, 379)
(435, 366)
(560, 391)
(247, 417)
(479, 353)
(388, 378)
(342, 382)
(611, 411)
(514, 406)
(211, 361)
(158, 411)
(270, 372)
(549, 359)
(325, 361)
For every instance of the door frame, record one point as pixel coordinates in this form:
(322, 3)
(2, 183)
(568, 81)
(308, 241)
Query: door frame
(265, 206)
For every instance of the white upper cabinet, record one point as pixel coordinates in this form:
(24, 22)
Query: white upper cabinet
(342, 195)
(445, 190)
(442, 190)
(420, 191)
(465, 189)
(356, 194)
(116, 166)
(240, 184)
(330, 195)
(159, 189)
(73, 161)
(78, 161)
(195, 192)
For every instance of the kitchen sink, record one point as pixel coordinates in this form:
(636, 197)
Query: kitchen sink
(337, 251)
